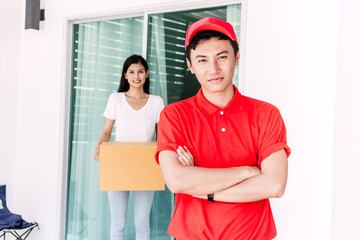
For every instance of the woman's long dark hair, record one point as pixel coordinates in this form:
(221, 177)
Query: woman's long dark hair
(124, 84)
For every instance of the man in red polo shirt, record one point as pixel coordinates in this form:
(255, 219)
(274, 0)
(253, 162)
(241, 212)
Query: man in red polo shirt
(222, 153)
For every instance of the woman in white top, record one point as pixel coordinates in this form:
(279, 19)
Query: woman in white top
(135, 113)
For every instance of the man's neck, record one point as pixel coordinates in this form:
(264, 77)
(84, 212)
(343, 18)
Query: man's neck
(220, 99)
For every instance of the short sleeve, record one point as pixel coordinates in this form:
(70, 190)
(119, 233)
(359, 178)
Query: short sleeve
(110, 108)
(170, 132)
(272, 135)
(160, 107)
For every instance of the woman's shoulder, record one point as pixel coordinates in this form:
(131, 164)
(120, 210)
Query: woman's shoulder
(156, 98)
(116, 95)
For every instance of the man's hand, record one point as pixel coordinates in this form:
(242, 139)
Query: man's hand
(185, 156)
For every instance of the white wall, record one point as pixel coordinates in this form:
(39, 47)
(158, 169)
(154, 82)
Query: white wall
(290, 61)
(346, 210)
(10, 17)
(38, 123)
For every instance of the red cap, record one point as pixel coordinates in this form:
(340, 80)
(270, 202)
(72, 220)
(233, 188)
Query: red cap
(212, 24)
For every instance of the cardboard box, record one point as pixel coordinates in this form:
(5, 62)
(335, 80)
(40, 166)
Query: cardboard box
(129, 166)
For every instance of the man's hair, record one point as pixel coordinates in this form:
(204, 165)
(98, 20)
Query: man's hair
(206, 35)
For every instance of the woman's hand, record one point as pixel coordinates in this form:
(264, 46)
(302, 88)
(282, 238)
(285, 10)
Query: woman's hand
(105, 137)
(97, 153)
(185, 156)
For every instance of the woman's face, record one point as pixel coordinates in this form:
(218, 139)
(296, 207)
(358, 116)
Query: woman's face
(136, 75)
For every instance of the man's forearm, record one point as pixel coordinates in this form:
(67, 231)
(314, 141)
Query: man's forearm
(253, 189)
(270, 183)
(196, 180)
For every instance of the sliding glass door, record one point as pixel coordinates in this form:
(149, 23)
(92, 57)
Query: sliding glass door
(99, 50)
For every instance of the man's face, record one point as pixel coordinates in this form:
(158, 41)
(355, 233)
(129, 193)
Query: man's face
(213, 62)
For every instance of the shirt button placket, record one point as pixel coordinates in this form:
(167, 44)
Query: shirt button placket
(222, 129)
(223, 135)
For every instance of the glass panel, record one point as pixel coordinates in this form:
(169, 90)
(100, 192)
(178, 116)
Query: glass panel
(100, 49)
(233, 16)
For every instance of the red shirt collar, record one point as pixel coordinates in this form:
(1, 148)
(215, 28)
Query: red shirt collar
(236, 103)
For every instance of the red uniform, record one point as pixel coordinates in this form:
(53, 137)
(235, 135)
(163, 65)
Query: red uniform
(243, 133)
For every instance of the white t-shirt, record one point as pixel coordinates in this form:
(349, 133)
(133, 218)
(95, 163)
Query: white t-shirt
(133, 125)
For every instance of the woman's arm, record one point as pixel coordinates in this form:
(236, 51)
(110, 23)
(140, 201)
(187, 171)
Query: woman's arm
(156, 130)
(105, 137)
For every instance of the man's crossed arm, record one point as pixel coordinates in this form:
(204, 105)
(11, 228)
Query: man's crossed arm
(236, 184)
